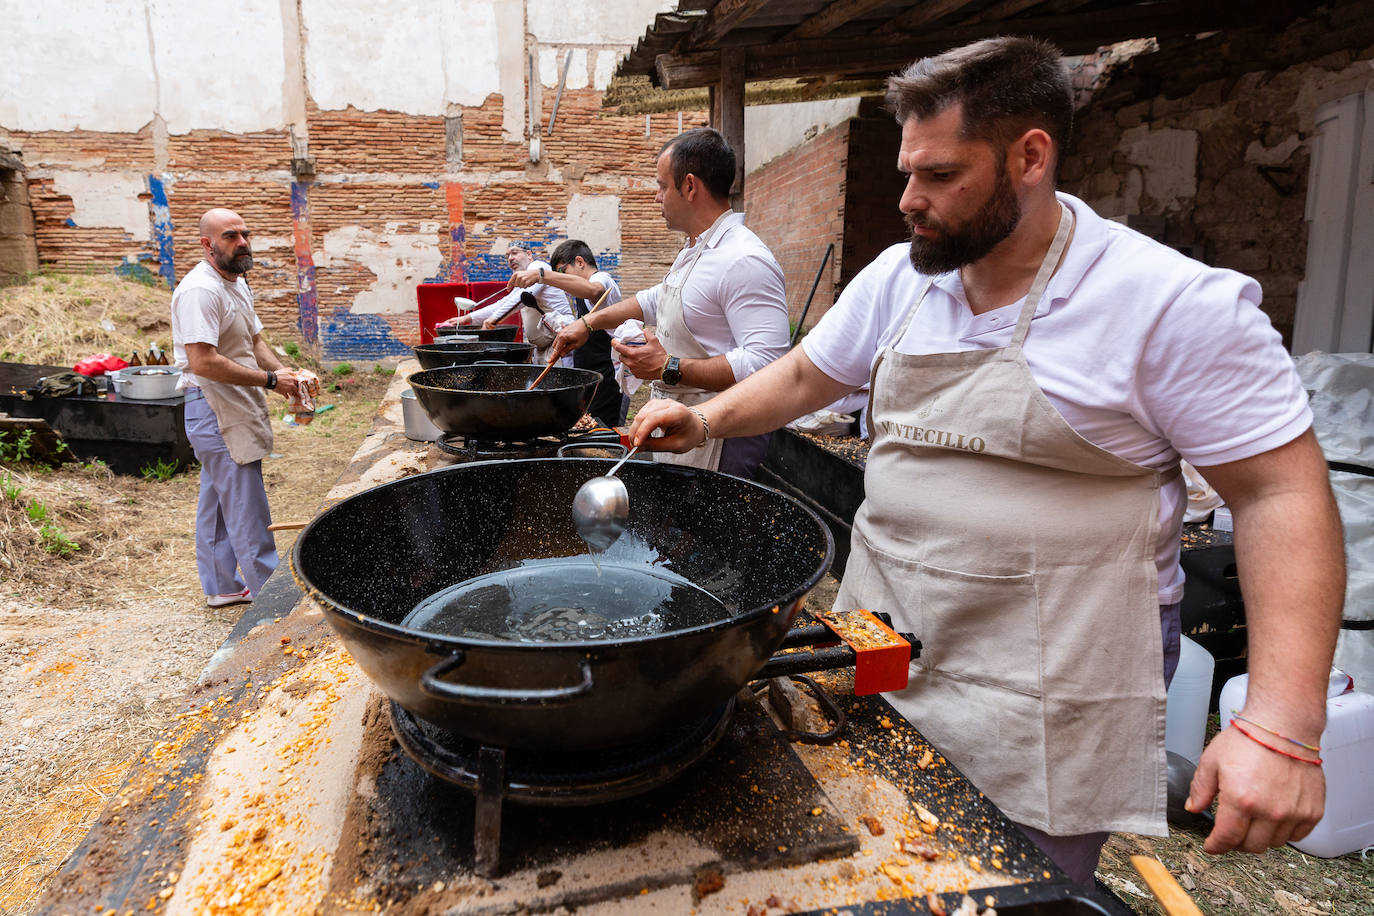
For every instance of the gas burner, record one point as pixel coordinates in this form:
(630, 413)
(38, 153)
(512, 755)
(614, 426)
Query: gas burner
(567, 779)
(542, 447)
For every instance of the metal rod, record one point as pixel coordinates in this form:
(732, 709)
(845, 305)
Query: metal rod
(558, 97)
(814, 283)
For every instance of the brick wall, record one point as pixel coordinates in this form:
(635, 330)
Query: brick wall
(839, 187)
(796, 204)
(1242, 103)
(377, 214)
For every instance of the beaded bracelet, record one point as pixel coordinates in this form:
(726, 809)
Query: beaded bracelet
(705, 427)
(1316, 749)
(1276, 750)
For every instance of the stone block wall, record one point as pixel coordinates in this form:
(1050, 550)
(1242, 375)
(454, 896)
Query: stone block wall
(18, 251)
(1212, 138)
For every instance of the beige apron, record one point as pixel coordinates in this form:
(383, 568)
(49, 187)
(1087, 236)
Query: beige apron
(671, 328)
(1022, 556)
(241, 411)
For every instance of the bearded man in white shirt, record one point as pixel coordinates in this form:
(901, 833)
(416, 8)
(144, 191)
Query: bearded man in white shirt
(720, 314)
(1037, 372)
(543, 308)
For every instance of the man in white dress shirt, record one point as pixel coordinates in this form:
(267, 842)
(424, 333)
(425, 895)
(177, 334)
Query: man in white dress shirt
(719, 315)
(1037, 372)
(543, 308)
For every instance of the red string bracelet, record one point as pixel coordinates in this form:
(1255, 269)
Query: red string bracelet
(1276, 750)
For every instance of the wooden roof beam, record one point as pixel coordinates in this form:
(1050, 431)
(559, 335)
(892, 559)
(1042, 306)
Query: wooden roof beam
(724, 17)
(919, 15)
(831, 18)
(1075, 33)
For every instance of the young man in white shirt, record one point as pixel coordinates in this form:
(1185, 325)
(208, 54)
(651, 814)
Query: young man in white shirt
(543, 308)
(719, 315)
(1037, 373)
(576, 274)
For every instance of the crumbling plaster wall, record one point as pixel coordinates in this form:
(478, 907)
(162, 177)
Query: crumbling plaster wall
(370, 147)
(1207, 143)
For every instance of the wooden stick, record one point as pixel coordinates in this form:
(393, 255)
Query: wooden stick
(604, 294)
(287, 526)
(535, 383)
(1173, 898)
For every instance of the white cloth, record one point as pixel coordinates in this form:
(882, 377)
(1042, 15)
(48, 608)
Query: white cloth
(550, 298)
(204, 304)
(627, 332)
(733, 301)
(1146, 353)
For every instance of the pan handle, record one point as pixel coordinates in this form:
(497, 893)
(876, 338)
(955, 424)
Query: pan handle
(432, 685)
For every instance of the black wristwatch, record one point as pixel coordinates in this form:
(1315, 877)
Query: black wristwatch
(672, 371)
(271, 380)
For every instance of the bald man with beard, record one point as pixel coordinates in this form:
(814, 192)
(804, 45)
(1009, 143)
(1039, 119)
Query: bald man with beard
(227, 370)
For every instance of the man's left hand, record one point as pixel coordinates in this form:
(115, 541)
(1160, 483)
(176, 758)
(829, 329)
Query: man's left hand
(1266, 799)
(644, 361)
(523, 278)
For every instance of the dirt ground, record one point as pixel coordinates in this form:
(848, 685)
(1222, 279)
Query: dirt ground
(98, 642)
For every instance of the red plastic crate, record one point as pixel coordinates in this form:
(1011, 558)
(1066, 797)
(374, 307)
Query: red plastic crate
(435, 301)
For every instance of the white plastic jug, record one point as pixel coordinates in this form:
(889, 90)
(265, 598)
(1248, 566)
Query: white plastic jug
(1190, 693)
(1347, 745)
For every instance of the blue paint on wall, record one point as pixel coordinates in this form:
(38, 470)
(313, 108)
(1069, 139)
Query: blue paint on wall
(366, 337)
(433, 185)
(70, 222)
(162, 230)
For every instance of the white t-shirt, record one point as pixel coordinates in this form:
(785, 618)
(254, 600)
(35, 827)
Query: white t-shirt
(1146, 353)
(551, 299)
(733, 302)
(608, 286)
(203, 304)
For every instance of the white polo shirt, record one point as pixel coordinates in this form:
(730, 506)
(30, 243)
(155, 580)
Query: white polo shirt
(611, 289)
(733, 302)
(1147, 354)
(203, 304)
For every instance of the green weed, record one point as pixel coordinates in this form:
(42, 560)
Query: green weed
(161, 470)
(292, 349)
(343, 369)
(12, 489)
(37, 511)
(15, 448)
(56, 541)
(383, 370)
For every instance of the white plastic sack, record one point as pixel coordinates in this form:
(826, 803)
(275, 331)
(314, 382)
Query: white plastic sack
(1202, 499)
(1341, 391)
(823, 422)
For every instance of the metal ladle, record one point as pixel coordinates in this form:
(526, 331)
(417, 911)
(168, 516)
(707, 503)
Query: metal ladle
(601, 507)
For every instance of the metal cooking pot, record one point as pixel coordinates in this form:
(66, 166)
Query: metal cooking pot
(467, 352)
(754, 550)
(504, 332)
(146, 383)
(496, 403)
(417, 422)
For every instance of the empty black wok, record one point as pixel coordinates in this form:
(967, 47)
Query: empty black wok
(492, 403)
(372, 558)
(467, 352)
(504, 332)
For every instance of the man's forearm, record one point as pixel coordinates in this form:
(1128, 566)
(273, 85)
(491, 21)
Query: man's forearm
(216, 367)
(777, 394)
(267, 359)
(610, 317)
(1291, 559)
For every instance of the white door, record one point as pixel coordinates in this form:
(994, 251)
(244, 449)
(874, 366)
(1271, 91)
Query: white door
(1335, 310)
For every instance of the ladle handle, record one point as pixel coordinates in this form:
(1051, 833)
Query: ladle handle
(534, 384)
(432, 685)
(611, 472)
